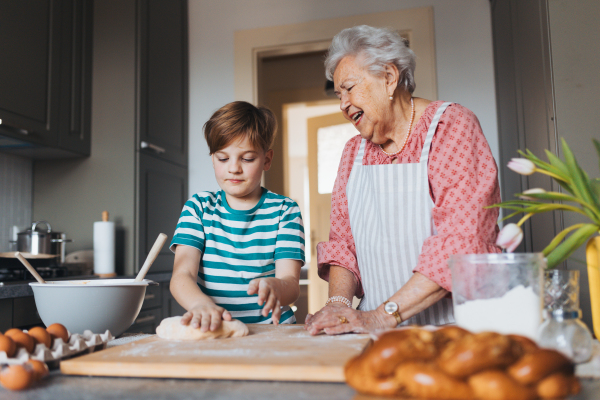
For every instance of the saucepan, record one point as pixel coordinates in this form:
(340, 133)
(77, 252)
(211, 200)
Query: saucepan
(36, 241)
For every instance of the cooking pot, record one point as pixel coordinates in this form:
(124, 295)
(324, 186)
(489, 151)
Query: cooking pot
(36, 241)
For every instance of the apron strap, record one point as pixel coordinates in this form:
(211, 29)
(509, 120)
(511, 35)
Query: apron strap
(431, 131)
(358, 160)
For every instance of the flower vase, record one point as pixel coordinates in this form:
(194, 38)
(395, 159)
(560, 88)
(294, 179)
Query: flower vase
(593, 263)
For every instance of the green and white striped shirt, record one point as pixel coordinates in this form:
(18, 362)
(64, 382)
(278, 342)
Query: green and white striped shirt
(240, 245)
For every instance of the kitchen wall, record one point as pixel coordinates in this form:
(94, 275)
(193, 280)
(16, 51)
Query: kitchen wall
(15, 196)
(463, 53)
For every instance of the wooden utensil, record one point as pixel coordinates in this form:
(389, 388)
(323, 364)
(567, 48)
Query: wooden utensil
(29, 267)
(158, 244)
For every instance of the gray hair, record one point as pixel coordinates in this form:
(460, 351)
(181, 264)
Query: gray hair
(377, 48)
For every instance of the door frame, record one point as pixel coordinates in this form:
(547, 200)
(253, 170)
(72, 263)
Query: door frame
(252, 44)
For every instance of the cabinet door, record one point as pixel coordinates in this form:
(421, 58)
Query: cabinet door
(163, 79)
(29, 72)
(75, 78)
(163, 191)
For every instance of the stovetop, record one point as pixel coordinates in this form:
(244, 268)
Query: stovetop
(11, 269)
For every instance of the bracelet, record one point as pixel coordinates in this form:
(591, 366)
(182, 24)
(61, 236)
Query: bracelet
(339, 299)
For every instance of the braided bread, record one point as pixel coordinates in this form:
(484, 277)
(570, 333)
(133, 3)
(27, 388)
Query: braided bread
(451, 363)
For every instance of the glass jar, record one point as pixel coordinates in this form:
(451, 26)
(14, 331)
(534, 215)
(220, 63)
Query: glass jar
(498, 292)
(562, 328)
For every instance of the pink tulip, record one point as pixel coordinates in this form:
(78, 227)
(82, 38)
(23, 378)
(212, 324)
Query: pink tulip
(521, 166)
(509, 237)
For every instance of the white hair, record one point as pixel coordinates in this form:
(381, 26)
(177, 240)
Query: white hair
(376, 47)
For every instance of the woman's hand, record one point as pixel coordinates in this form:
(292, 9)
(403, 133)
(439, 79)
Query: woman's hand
(206, 316)
(337, 318)
(269, 292)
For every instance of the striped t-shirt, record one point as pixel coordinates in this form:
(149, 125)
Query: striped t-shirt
(240, 245)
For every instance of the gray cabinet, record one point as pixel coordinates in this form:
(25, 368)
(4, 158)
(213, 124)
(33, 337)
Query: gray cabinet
(162, 122)
(163, 77)
(162, 193)
(45, 77)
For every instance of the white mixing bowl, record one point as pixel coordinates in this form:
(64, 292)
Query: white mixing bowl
(97, 304)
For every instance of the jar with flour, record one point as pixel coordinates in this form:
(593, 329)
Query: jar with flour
(498, 292)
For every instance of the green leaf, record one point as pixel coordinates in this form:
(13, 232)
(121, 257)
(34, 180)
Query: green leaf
(556, 196)
(559, 238)
(580, 185)
(597, 145)
(566, 248)
(557, 162)
(512, 215)
(544, 207)
(595, 184)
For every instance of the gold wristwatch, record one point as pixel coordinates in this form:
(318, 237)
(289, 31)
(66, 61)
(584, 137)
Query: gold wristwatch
(392, 308)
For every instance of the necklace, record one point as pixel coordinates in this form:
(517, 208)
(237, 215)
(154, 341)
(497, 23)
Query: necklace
(412, 116)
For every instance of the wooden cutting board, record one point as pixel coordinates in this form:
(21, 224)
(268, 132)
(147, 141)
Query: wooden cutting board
(284, 352)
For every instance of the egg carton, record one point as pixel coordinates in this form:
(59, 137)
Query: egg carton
(78, 344)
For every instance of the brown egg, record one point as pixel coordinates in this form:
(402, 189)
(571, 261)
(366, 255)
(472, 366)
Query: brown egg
(21, 339)
(40, 335)
(7, 345)
(39, 368)
(16, 377)
(58, 331)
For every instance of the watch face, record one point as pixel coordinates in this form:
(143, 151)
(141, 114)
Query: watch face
(390, 307)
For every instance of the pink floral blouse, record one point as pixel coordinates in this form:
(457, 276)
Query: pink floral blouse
(463, 178)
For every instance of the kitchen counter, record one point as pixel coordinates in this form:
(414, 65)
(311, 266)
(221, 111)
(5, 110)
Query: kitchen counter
(58, 386)
(65, 387)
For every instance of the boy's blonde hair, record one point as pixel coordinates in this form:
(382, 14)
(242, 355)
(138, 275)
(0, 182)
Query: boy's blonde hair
(237, 120)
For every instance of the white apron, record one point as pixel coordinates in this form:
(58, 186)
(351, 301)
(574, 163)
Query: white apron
(390, 217)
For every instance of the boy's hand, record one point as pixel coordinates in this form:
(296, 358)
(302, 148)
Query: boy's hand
(269, 292)
(206, 316)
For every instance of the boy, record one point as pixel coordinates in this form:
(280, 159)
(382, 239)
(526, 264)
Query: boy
(245, 243)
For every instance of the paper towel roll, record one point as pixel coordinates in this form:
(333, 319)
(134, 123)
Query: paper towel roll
(104, 248)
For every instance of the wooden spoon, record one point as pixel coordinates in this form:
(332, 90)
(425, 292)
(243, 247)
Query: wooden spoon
(29, 267)
(160, 242)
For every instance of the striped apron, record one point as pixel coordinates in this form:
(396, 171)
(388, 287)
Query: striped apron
(390, 218)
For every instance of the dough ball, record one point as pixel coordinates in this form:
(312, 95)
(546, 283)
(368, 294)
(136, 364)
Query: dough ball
(172, 329)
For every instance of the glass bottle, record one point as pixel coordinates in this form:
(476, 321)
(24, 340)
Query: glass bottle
(562, 328)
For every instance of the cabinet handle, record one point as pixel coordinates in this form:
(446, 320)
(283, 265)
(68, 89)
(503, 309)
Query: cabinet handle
(149, 297)
(145, 319)
(18, 130)
(158, 149)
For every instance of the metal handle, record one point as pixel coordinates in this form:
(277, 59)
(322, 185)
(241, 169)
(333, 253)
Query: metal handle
(149, 296)
(18, 130)
(36, 223)
(149, 318)
(146, 145)
(61, 240)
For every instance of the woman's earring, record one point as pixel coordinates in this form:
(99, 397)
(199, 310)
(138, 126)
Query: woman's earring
(391, 97)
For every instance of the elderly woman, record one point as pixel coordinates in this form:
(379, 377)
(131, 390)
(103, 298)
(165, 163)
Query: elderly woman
(409, 192)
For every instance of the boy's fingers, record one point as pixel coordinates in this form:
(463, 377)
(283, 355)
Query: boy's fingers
(227, 316)
(205, 322)
(185, 319)
(277, 313)
(263, 292)
(253, 286)
(269, 305)
(215, 320)
(195, 322)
